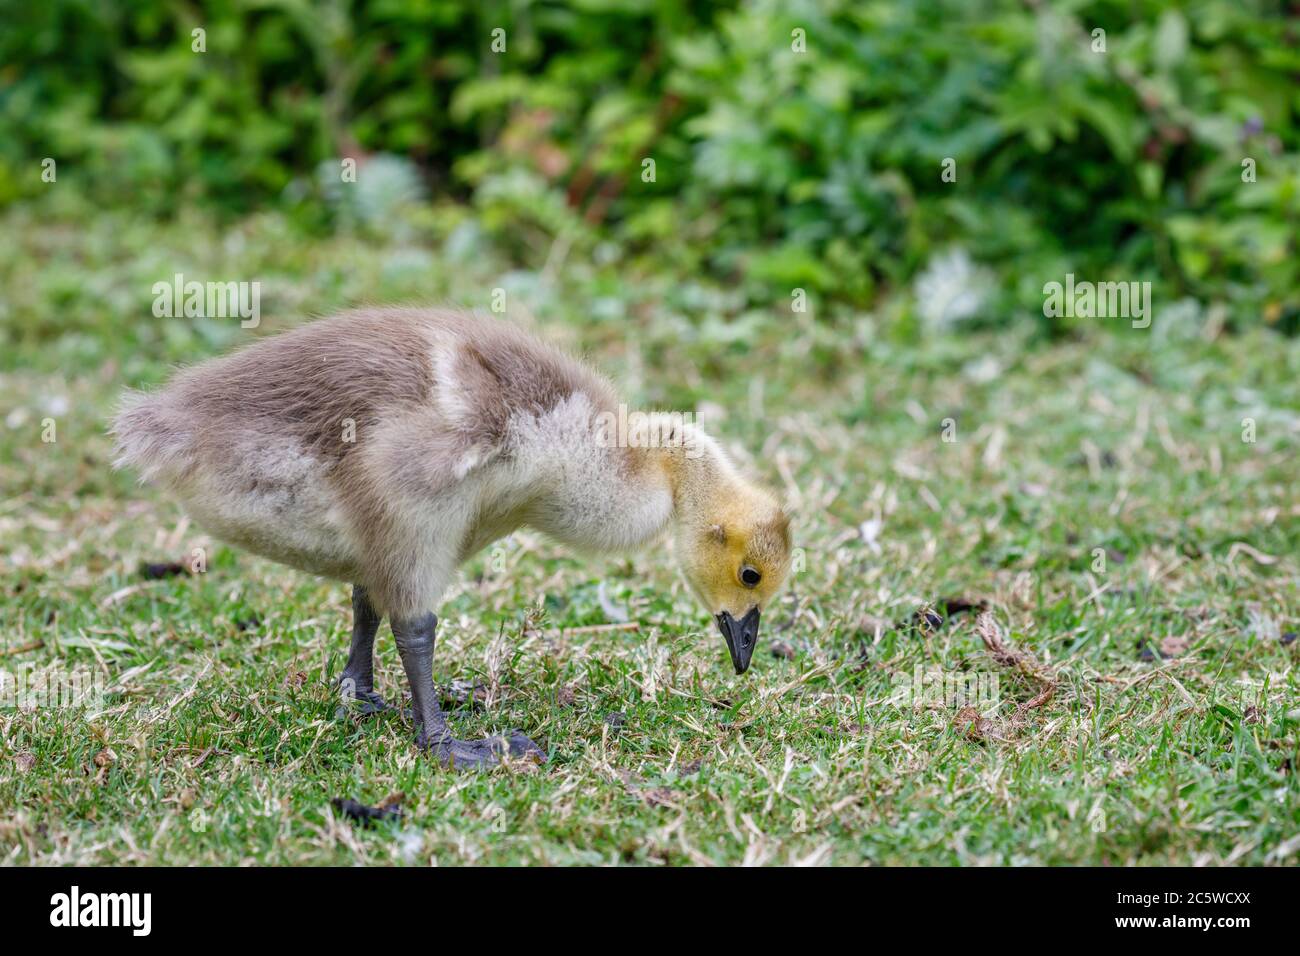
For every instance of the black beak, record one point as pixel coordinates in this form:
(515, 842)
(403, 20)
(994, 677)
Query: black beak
(741, 637)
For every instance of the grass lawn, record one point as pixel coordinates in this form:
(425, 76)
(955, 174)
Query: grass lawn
(1135, 555)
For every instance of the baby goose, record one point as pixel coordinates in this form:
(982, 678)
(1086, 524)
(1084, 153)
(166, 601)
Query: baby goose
(384, 447)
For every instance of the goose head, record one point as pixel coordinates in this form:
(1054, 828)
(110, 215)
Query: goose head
(734, 547)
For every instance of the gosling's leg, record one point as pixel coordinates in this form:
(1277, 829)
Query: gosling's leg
(357, 683)
(415, 640)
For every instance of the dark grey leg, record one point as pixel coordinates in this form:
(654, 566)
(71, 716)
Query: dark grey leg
(357, 683)
(415, 641)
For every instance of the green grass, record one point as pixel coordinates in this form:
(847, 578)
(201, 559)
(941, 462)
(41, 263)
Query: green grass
(219, 744)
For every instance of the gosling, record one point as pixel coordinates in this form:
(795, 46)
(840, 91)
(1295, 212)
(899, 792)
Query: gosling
(384, 447)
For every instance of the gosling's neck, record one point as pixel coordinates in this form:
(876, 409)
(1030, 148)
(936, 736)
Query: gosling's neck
(613, 497)
(697, 473)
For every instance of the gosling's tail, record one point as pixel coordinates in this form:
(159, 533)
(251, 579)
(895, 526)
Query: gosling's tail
(150, 436)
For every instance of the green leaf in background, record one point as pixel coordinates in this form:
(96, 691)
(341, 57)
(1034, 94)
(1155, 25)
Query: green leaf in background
(763, 151)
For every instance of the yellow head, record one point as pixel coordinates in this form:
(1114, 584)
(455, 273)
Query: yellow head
(733, 540)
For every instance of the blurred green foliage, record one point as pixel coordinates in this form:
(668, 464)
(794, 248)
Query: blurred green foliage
(773, 168)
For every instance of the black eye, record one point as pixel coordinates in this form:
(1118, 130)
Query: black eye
(749, 576)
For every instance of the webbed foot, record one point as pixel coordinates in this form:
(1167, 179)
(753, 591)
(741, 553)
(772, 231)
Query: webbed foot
(480, 754)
